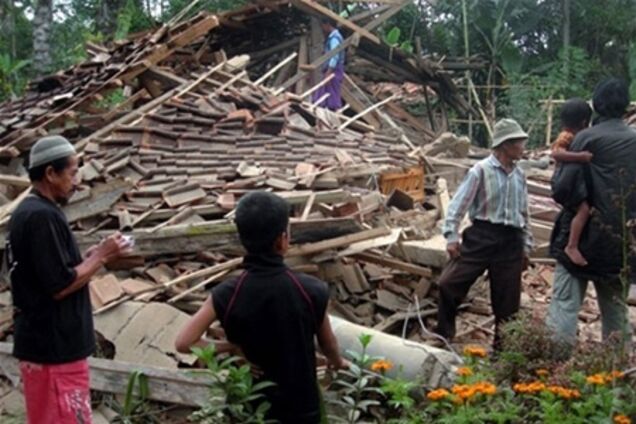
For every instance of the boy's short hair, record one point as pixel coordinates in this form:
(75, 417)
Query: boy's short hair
(574, 112)
(611, 98)
(261, 217)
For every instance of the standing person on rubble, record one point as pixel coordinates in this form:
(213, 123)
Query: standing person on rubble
(53, 318)
(600, 182)
(271, 313)
(335, 66)
(495, 195)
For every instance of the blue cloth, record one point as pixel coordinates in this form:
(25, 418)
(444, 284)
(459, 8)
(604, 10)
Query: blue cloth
(333, 41)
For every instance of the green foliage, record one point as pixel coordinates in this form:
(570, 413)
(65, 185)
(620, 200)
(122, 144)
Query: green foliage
(243, 398)
(11, 77)
(135, 409)
(393, 39)
(357, 388)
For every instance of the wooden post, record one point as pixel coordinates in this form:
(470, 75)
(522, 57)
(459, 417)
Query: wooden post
(548, 129)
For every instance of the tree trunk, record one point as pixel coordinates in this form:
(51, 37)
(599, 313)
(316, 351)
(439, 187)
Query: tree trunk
(566, 38)
(107, 17)
(42, 26)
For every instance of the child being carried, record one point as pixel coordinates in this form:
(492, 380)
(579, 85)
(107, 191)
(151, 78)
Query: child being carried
(575, 116)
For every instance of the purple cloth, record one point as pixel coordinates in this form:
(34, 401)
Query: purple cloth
(334, 101)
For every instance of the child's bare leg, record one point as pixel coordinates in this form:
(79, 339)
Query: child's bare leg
(576, 229)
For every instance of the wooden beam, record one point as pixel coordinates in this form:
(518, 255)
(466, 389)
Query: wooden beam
(321, 11)
(272, 71)
(370, 13)
(321, 246)
(15, 181)
(346, 43)
(394, 264)
(134, 114)
(175, 386)
(367, 110)
(303, 58)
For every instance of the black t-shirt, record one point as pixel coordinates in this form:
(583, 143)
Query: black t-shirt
(273, 314)
(42, 254)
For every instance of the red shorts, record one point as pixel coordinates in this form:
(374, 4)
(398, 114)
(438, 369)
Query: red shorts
(57, 394)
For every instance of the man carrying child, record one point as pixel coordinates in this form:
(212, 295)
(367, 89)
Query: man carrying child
(599, 183)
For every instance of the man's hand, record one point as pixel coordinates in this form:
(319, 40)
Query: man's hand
(342, 364)
(112, 247)
(90, 251)
(587, 156)
(453, 250)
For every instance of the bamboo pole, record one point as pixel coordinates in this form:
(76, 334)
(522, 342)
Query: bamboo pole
(201, 79)
(276, 68)
(367, 110)
(196, 287)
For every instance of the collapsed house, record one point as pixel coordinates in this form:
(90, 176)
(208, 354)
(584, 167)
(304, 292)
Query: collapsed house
(173, 126)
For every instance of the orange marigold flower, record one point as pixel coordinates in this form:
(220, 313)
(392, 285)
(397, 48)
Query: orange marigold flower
(464, 391)
(564, 392)
(542, 372)
(622, 419)
(485, 388)
(529, 388)
(464, 372)
(596, 379)
(438, 394)
(617, 374)
(381, 365)
(476, 351)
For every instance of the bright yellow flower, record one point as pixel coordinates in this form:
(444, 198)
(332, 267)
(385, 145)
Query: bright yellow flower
(381, 365)
(464, 372)
(438, 394)
(622, 419)
(475, 351)
(542, 372)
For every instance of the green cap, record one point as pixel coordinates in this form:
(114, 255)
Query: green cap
(48, 149)
(507, 129)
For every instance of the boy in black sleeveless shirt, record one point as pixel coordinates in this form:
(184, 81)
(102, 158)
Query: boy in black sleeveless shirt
(271, 313)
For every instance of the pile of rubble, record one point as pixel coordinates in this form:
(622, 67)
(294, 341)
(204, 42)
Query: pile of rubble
(195, 131)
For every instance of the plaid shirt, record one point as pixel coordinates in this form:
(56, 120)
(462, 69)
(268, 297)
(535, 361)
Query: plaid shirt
(489, 193)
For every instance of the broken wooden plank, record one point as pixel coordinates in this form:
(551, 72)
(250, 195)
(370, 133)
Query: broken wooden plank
(388, 239)
(15, 181)
(321, 11)
(394, 264)
(181, 387)
(321, 246)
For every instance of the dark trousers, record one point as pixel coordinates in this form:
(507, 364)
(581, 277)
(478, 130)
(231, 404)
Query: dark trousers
(485, 246)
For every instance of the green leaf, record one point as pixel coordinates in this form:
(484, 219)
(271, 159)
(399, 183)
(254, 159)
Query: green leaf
(511, 59)
(393, 37)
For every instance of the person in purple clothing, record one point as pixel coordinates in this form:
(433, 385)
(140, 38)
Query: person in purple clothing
(334, 66)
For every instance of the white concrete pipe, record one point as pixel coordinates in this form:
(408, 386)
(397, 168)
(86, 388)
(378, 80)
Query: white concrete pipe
(431, 366)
